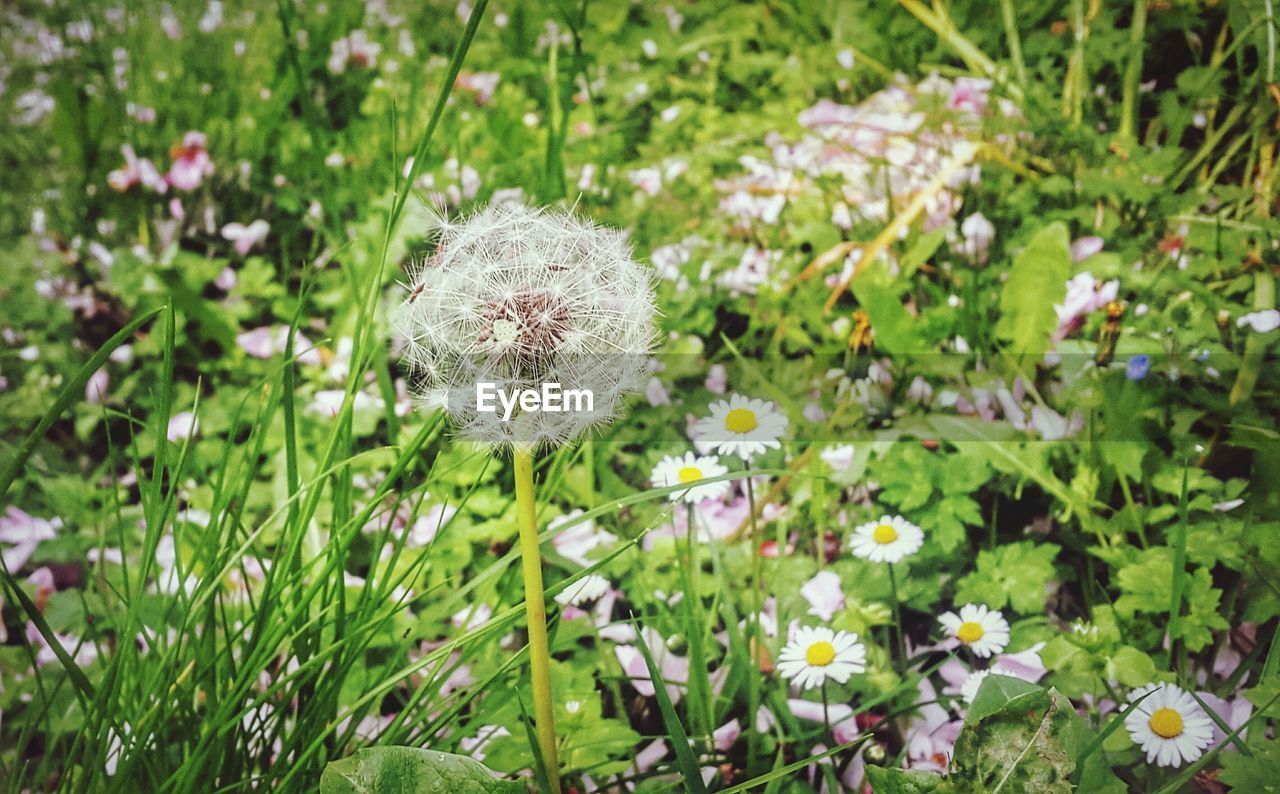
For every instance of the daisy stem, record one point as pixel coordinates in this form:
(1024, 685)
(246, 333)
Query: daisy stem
(757, 558)
(897, 621)
(536, 612)
(826, 711)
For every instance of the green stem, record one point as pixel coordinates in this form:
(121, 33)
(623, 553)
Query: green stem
(1132, 75)
(1255, 347)
(1076, 80)
(536, 611)
(757, 559)
(826, 710)
(589, 465)
(1015, 43)
(897, 622)
(1271, 40)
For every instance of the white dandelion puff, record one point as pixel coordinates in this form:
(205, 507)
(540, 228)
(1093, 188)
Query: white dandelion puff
(519, 300)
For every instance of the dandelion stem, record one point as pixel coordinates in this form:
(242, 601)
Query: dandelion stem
(536, 611)
(897, 621)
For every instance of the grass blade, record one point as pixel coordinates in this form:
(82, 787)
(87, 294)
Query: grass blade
(679, 738)
(795, 766)
(72, 392)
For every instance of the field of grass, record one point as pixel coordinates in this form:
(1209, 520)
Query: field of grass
(935, 440)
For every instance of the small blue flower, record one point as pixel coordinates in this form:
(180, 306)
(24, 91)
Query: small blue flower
(1138, 367)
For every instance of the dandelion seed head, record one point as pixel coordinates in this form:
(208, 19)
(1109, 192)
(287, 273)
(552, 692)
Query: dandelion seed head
(522, 297)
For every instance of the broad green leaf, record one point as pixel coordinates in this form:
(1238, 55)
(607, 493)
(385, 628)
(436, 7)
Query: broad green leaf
(999, 693)
(925, 246)
(1018, 743)
(1256, 774)
(1013, 574)
(880, 294)
(1037, 280)
(411, 770)
(892, 780)
(1130, 666)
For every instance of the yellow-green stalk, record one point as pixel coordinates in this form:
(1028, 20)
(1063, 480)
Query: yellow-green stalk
(536, 611)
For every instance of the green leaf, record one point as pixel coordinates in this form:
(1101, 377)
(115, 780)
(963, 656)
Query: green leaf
(1000, 693)
(1196, 627)
(411, 770)
(880, 294)
(1145, 584)
(1130, 666)
(925, 246)
(891, 780)
(1013, 574)
(1254, 774)
(1037, 280)
(1024, 739)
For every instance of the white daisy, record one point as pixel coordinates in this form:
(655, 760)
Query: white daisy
(583, 591)
(741, 426)
(984, 630)
(969, 689)
(891, 539)
(817, 653)
(690, 469)
(1169, 725)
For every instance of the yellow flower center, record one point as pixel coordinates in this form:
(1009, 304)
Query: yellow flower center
(969, 632)
(689, 474)
(884, 533)
(820, 654)
(740, 420)
(1166, 723)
